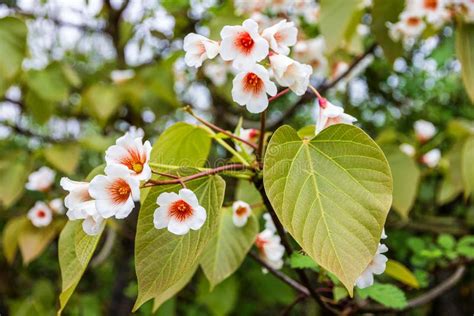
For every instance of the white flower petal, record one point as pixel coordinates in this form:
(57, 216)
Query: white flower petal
(178, 228)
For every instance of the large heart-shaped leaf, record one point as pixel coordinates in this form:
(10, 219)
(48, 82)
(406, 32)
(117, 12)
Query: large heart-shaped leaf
(75, 250)
(467, 166)
(226, 251)
(406, 177)
(465, 54)
(162, 258)
(332, 194)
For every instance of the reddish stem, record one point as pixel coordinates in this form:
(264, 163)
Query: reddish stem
(279, 94)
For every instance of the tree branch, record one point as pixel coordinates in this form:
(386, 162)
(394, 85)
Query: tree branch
(424, 298)
(229, 167)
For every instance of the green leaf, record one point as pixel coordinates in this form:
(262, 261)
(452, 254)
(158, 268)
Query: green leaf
(226, 251)
(162, 258)
(384, 11)
(13, 34)
(307, 131)
(466, 246)
(75, 250)
(64, 157)
(406, 178)
(386, 294)
(339, 293)
(220, 301)
(401, 273)
(14, 170)
(11, 232)
(102, 101)
(465, 54)
(446, 241)
(328, 191)
(182, 145)
(41, 110)
(467, 166)
(49, 84)
(32, 240)
(167, 294)
(452, 184)
(335, 20)
(302, 261)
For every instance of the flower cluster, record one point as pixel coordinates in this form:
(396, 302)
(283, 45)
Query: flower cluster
(244, 46)
(41, 214)
(376, 266)
(424, 131)
(419, 13)
(328, 114)
(41, 180)
(115, 193)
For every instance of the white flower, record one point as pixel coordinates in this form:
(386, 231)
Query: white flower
(179, 212)
(424, 130)
(281, 36)
(251, 135)
(78, 201)
(80, 205)
(243, 44)
(410, 26)
(329, 114)
(435, 11)
(269, 224)
(240, 213)
(92, 224)
(57, 205)
(290, 73)
(376, 266)
(217, 72)
(115, 192)
(40, 214)
(131, 153)
(135, 132)
(407, 149)
(250, 88)
(199, 48)
(41, 180)
(121, 76)
(431, 158)
(312, 52)
(270, 248)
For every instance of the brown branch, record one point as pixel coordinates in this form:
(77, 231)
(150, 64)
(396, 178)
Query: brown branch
(322, 89)
(280, 275)
(286, 244)
(217, 128)
(423, 299)
(230, 167)
(261, 137)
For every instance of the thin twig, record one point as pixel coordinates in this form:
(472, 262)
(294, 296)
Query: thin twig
(218, 129)
(288, 309)
(280, 275)
(322, 89)
(180, 180)
(425, 298)
(261, 136)
(279, 94)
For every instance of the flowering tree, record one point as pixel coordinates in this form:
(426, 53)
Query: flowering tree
(173, 189)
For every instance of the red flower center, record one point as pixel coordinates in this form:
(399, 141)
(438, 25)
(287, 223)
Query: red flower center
(241, 211)
(431, 4)
(134, 160)
(244, 42)
(180, 210)
(253, 134)
(120, 191)
(413, 21)
(41, 214)
(259, 242)
(252, 83)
